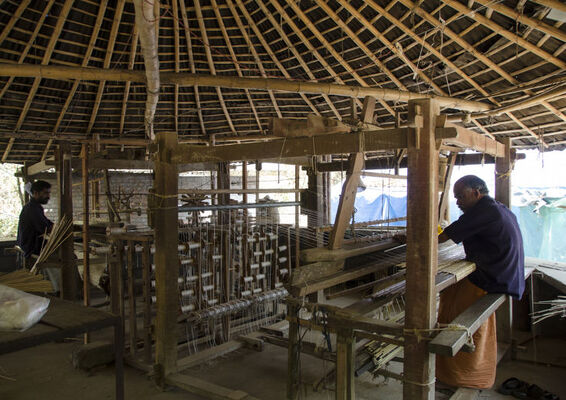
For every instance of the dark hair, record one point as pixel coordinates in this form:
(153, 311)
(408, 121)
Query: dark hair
(38, 186)
(473, 182)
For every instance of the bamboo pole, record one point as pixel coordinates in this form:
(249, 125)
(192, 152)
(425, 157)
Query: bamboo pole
(186, 79)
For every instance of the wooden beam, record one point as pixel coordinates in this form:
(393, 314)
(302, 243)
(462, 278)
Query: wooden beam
(445, 195)
(449, 342)
(347, 199)
(345, 365)
(296, 147)
(220, 21)
(61, 18)
(86, 223)
(466, 138)
(422, 252)
(131, 62)
(166, 256)
(186, 79)
(244, 31)
(208, 53)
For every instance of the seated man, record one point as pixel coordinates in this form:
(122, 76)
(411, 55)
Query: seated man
(493, 241)
(34, 225)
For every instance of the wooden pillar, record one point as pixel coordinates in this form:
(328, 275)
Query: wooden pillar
(294, 353)
(422, 248)
(345, 365)
(503, 193)
(166, 256)
(69, 279)
(444, 207)
(314, 204)
(223, 182)
(297, 219)
(86, 223)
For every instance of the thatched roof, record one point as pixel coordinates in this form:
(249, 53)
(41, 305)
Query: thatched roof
(497, 52)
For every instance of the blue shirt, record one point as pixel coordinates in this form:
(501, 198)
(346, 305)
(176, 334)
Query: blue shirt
(492, 239)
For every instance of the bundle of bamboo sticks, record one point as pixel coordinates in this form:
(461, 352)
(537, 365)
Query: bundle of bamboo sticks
(60, 232)
(26, 281)
(557, 307)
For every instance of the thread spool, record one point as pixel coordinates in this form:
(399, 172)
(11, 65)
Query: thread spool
(187, 308)
(266, 264)
(259, 277)
(207, 288)
(187, 292)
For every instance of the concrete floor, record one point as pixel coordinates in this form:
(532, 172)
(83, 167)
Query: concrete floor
(45, 372)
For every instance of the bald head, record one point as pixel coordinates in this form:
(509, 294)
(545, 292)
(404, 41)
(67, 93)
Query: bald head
(468, 190)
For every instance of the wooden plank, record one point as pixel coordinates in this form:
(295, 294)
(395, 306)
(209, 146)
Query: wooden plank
(422, 251)
(382, 139)
(449, 342)
(351, 250)
(166, 255)
(206, 389)
(347, 199)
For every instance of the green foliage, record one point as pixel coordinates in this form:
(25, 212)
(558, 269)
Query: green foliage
(10, 203)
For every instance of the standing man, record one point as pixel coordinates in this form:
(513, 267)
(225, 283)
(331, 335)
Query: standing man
(492, 240)
(34, 225)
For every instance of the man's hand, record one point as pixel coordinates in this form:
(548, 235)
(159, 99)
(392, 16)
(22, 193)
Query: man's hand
(443, 237)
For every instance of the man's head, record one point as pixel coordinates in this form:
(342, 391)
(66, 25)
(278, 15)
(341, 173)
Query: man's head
(468, 190)
(41, 191)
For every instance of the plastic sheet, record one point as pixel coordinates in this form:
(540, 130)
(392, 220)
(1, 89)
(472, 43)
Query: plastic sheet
(20, 310)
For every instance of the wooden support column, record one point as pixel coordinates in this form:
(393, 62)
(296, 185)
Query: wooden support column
(166, 256)
(422, 249)
(69, 273)
(443, 207)
(314, 204)
(297, 220)
(503, 193)
(345, 364)
(86, 223)
(294, 353)
(223, 182)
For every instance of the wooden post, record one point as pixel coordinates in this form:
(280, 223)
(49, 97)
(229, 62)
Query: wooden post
(132, 331)
(297, 220)
(294, 353)
(444, 206)
(223, 182)
(347, 199)
(166, 256)
(345, 365)
(68, 264)
(86, 222)
(146, 264)
(422, 249)
(503, 168)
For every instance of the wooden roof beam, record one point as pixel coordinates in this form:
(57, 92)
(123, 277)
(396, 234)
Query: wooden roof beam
(235, 59)
(206, 45)
(250, 45)
(192, 64)
(297, 55)
(46, 58)
(325, 66)
(107, 61)
(273, 57)
(86, 58)
(186, 79)
(176, 42)
(8, 27)
(131, 62)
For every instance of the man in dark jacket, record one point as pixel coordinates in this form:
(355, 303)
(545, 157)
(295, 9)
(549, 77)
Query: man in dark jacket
(34, 225)
(492, 240)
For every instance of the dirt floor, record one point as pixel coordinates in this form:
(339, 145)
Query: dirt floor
(46, 372)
